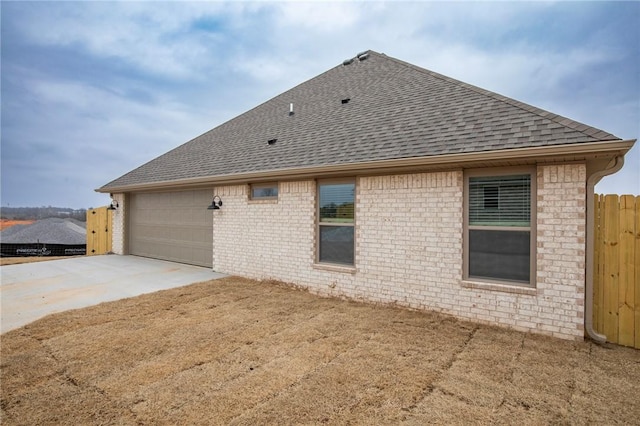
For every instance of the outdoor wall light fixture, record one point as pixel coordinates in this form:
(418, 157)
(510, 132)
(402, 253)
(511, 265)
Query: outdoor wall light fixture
(215, 204)
(114, 205)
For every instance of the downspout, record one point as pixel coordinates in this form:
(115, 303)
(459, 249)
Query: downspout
(592, 180)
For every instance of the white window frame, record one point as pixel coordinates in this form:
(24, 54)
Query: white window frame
(472, 173)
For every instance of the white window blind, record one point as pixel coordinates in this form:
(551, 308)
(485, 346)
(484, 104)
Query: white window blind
(500, 201)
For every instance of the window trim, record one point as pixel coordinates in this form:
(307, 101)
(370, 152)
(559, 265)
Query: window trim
(505, 171)
(264, 185)
(338, 267)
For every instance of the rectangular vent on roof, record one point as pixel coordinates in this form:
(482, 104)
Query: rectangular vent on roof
(272, 141)
(346, 100)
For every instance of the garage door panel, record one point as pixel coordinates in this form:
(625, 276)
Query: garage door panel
(172, 226)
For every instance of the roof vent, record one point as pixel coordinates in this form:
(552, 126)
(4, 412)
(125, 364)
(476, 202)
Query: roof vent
(363, 56)
(347, 61)
(291, 108)
(362, 53)
(346, 100)
(272, 141)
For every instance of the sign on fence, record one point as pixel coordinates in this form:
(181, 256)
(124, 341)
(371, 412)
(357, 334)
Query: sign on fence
(41, 249)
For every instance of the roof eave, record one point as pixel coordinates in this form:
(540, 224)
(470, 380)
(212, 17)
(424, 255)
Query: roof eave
(555, 153)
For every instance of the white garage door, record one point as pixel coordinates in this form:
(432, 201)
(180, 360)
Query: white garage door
(172, 226)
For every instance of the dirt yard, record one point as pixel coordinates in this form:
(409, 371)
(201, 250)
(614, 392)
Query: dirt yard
(236, 351)
(19, 260)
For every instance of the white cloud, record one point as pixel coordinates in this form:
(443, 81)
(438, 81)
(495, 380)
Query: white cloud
(522, 71)
(196, 65)
(157, 40)
(317, 17)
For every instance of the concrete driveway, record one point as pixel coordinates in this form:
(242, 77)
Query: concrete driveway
(33, 290)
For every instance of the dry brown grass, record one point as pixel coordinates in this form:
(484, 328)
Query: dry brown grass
(242, 352)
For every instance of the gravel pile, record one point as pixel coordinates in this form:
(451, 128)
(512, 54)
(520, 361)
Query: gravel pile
(49, 231)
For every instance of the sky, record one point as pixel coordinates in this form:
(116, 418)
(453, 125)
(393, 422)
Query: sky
(92, 90)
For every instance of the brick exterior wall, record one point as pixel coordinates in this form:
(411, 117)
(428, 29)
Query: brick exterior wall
(118, 225)
(265, 239)
(409, 239)
(561, 249)
(409, 248)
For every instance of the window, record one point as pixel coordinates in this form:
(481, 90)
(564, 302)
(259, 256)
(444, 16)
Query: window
(499, 243)
(264, 191)
(336, 218)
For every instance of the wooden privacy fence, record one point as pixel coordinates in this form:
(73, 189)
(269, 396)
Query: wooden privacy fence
(99, 231)
(616, 275)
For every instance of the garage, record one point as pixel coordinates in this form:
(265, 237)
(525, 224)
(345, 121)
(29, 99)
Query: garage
(173, 226)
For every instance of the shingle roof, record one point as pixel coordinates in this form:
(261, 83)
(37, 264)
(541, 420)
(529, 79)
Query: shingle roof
(395, 110)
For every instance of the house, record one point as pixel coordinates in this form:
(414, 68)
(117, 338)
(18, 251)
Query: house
(382, 181)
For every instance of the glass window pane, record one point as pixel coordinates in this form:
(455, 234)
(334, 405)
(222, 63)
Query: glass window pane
(500, 200)
(336, 244)
(336, 202)
(491, 198)
(264, 191)
(503, 255)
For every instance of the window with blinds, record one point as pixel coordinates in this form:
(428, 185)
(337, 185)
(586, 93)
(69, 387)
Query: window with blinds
(498, 232)
(336, 218)
(500, 200)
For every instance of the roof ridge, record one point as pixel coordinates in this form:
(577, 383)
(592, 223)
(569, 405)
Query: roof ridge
(563, 121)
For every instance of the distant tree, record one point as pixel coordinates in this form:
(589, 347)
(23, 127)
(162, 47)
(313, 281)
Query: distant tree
(37, 213)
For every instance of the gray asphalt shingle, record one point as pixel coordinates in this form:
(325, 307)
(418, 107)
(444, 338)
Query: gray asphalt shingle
(396, 110)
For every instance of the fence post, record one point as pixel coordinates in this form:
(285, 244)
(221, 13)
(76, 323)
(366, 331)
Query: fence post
(637, 273)
(598, 271)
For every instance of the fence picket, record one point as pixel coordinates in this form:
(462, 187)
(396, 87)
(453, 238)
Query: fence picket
(626, 300)
(611, 267)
